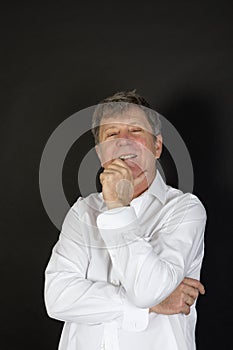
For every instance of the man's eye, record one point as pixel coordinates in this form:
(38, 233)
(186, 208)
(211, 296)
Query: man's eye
(136, 130)
(111, 134)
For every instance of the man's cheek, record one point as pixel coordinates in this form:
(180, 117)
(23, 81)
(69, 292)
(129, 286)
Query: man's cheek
(106, 152)
(141, 141)
(106, 157)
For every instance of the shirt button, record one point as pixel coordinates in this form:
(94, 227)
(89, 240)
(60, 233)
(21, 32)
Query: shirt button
(115, 282)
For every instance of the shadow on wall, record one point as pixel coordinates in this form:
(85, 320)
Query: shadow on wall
(200, 121)
(195, 118)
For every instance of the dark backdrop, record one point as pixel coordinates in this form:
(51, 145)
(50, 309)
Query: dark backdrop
(60, 57)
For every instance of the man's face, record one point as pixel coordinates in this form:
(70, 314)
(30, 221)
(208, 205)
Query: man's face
(128, 136)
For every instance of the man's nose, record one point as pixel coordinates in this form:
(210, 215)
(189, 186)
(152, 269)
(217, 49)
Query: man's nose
(124, 138)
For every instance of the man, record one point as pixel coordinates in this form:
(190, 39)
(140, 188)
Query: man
(124, 273)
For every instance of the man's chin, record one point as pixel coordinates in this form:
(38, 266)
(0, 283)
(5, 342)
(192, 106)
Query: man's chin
(136, 171)
(148, 176)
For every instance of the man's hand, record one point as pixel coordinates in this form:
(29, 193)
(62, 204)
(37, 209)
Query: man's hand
(118, 184)
(181, 299)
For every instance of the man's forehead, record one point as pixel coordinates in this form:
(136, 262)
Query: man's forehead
(127, 118)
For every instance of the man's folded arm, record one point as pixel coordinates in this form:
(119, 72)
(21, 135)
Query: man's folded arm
(70, 296)
(150, 272)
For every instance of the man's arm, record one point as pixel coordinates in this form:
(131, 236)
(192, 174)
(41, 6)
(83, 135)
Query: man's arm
(71, 296)
(150, 273)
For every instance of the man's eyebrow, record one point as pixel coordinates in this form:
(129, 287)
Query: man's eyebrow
(110, 127)
(115, 125)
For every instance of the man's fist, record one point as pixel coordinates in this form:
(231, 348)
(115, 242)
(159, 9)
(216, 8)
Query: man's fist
(118, 184)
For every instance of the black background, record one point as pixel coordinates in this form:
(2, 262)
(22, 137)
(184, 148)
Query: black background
(60, 57)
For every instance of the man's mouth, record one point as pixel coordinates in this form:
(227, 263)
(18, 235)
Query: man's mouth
(127, 156)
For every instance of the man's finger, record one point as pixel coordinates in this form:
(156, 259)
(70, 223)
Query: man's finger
(189, 300)
(119, 168)
(186, 310)
(191, 291)
(120, 162)
(115, 169)
(195, 284)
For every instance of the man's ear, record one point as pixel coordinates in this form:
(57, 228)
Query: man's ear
(158, 146)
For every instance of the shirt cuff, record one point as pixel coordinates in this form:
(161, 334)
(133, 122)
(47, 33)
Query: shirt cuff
(135, 319)
(116, 218)
(118, 227)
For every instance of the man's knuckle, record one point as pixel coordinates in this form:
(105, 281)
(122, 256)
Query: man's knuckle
(181, 303)
(124, 171)
(181, 296)
(182, 286)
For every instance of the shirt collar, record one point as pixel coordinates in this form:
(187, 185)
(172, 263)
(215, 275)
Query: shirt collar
(157, 188)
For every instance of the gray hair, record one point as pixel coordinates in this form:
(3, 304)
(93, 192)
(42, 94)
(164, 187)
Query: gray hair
(119, 103)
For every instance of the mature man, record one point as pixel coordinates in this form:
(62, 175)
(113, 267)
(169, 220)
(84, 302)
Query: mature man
(124, 273)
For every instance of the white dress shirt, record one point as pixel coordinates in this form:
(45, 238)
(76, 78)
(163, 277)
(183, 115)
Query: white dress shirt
(109, 266)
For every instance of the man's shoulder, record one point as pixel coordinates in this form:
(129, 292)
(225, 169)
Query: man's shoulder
(81, 217)
(91, 203)
(185, 201)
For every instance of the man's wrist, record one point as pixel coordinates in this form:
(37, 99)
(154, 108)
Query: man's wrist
(113, 205)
